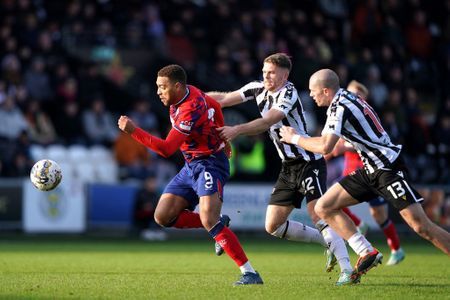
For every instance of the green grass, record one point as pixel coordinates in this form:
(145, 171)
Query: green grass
(80, 268)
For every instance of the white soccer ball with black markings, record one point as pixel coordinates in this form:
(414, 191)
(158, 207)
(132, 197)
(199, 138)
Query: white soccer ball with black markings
(45, 175)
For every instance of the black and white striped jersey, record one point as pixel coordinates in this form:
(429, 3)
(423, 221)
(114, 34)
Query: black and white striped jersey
(351, 118)
(288, 102)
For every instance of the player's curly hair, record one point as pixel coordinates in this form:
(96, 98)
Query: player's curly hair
(175, 73)
(281, 60)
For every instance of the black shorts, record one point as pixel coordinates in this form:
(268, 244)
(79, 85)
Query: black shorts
(393, 185)
(299, 179)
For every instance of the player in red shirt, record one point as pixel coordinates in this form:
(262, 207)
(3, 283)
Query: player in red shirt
(378, 206)
(195, 118)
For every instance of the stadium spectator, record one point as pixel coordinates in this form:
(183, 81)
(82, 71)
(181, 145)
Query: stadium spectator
(143, 116)
(40, 125)
(195, 118)
(134, 159)
(98, 123)
(37, 81)
(13, 121)
(69, 125)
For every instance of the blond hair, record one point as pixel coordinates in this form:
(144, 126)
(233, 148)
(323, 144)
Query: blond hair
(358, 88)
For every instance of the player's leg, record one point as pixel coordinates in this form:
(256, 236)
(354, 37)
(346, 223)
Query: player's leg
(175, 206)
(379, 211)
(352, 216)
(172, 211)
(360, 224)
(328, 207)
(333, 241)
(210, 206)
(277, 224)
(416, 218)
(406, 199)
(209, 176)
(313, 183)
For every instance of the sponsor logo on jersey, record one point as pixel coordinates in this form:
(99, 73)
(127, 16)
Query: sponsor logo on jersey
(186, 125)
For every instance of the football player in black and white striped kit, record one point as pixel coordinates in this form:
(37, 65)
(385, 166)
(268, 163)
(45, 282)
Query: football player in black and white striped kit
(384, 173)
(303, 173)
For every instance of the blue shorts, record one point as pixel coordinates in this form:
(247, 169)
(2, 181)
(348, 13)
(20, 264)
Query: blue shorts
(378, 201)
(200, 177)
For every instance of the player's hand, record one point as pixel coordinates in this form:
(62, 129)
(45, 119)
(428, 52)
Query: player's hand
(227, 133)
(287, 133)
(125, 124)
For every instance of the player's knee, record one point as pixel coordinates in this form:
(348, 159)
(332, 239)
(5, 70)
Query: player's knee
(276, 229)
(320, 210)
(162, 220)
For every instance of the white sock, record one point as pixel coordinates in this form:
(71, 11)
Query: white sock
(360, 244)
(337, 246)
(247, 268)
(298, 232)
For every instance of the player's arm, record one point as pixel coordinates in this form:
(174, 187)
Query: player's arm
(322, 144)
(226, 99)
(341, 147)
(254, 127)
(165, 147)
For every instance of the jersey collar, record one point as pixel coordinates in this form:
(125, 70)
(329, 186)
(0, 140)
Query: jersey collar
(184, 97)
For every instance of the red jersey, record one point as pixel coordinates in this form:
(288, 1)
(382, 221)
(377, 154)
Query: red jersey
(195, 116)
(352, 162)
(195, 119)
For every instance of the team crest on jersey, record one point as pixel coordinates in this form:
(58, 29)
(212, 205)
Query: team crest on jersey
(186, 125)
(211, 113)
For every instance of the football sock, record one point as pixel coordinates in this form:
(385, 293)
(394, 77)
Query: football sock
(298, 232)
(391, 235)
(230, 243)
(247, 268)
(352, 216)
(336, 245)
(188, 219)
(360, 244)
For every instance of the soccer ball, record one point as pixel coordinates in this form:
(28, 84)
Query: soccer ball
(45, 175)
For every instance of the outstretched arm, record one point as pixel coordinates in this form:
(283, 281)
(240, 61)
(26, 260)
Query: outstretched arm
(254, 127)
(322, 144)
(164, 148)
(226, 98)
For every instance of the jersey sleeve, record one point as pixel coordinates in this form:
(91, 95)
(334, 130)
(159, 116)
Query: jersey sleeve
(165, 147)
(250, 90)
(286, 101)
(335, 120)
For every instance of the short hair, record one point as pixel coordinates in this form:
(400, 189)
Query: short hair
(175, 73)
(326, 78)
(281, 60)
(360, 88)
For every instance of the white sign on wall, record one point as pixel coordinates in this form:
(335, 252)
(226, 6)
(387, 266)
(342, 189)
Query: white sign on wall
(61, 210)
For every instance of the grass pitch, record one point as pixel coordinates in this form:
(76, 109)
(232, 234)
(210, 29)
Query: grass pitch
(80, 268)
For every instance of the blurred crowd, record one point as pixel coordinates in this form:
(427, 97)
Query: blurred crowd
(69, 68)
